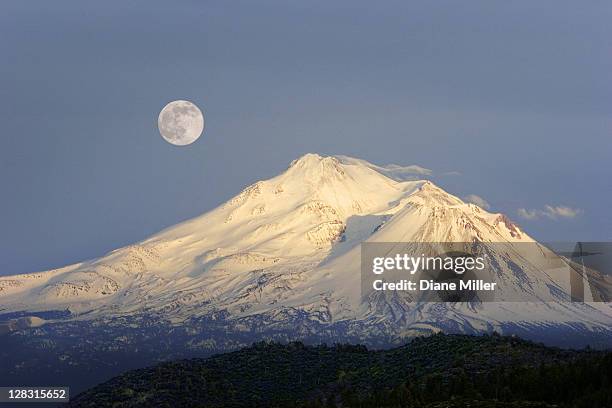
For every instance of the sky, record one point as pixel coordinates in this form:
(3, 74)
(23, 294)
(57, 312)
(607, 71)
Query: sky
(507, 102)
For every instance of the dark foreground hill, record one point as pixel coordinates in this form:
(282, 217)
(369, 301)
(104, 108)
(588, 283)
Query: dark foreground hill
(437, 371)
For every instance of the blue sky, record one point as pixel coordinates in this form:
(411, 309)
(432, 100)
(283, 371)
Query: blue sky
(514, 96)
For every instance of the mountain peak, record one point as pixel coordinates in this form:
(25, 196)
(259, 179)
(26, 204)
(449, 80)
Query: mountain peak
(307, 159)
(320, 207)
(286, 253)
(430, 194)
(315, 163)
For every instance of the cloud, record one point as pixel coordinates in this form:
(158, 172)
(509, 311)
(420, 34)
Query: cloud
(397, 172)
(479, 201)
(528, 214)
(405, 170)
(550, 211)
(561, 211)
(393, 171)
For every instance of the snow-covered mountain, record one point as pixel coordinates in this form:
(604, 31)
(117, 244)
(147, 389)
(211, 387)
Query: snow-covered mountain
(285, 252)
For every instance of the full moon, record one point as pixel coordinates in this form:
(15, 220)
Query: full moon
(180, 123)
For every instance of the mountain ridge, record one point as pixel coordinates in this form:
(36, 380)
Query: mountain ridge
(487, 371)
(289, 246)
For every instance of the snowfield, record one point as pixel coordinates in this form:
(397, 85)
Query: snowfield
(288, 248)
